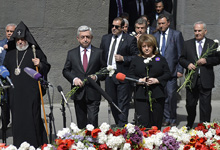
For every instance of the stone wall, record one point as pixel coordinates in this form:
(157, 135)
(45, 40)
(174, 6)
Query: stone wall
(54, 25)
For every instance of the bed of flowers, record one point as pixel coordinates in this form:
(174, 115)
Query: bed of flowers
(205, 136)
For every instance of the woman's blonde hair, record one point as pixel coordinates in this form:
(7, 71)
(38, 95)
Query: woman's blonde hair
(150, 40)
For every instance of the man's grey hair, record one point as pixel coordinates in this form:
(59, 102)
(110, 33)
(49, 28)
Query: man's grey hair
(126, 21)
(140, 21)
(200, 22)
(10, 24)
(84, 28)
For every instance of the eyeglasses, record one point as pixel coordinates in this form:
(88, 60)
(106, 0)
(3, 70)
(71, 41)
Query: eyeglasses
(9, 31)
(116, 27)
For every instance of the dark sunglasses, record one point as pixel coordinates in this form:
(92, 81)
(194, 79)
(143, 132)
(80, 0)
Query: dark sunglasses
(9, 31)
(116, 27)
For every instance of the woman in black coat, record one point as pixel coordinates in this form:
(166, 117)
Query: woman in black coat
(151, 69)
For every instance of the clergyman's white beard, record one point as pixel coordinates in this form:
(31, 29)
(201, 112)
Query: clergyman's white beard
(23, 47)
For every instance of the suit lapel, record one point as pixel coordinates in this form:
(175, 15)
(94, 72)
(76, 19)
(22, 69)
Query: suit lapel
(194, 49)
(170, 34)
(91, 59)
(78, 59)
(206, 45)
(121, 42)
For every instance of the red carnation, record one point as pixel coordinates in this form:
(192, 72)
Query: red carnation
(103, 147)
(95, 133)
(218, 132)
(167, 129)
(117, 132)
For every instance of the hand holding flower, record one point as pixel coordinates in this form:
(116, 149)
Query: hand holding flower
(201, 61)
(151, 81)
(142, 81)
(191, 66)
(93, 77)
(78, 82)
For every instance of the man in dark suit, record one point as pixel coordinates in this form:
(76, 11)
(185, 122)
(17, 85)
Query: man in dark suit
(170, 43)
(116, 9)
(118, 50)
(159, 9)
(150, 29)
(81, 62)
(203, 78)
(137, 8)
(9, 29)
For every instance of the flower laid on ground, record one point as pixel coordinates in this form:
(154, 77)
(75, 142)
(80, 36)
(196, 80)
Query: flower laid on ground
(106, 70)
(206, 136)
(208, 52)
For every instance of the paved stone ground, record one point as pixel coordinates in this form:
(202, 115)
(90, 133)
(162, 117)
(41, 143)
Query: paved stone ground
(104, 117)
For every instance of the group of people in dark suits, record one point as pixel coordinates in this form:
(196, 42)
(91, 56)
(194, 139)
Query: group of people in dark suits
(126, 54)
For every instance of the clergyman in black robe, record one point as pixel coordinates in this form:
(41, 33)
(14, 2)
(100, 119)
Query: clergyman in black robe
(25, 101)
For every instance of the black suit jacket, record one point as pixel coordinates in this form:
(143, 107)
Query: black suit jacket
(158, 68)
(131, 9)
(73, 68)
(127, 48)
(189, 55)
(153, 21)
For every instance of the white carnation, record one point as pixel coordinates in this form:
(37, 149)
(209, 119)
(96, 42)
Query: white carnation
(208, 134)
(216, 41)
(104, 127)
(147, 60)
(200, 134)
(24, 146)
(89, 127)
(115, 141)
(127, 146)
(62, 133)
(218, 49)
(11, 147)
(102, 137)
(75, 128)
(31, 148)
(80, 145)
(130, 128)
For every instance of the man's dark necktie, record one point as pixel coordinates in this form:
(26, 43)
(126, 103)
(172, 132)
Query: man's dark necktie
(200, 48)
(85, 60)
(163, 44)
(112, 51)
(139, 7)
(119, 7)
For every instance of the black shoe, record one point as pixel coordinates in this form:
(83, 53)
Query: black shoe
(165, 124)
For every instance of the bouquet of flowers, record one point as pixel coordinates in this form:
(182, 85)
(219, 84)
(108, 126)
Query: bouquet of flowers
(189, 76)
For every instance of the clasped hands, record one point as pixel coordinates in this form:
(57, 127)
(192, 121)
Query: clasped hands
(200, 62)
(148, 82)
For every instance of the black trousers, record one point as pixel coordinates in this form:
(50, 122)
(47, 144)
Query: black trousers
(86, 112)
(120, 94)
(146, 117)
(205, 108)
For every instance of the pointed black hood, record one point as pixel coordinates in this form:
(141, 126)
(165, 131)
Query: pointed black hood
(21, 31)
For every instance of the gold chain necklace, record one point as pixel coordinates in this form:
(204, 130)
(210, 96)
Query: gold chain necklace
(18, 69)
